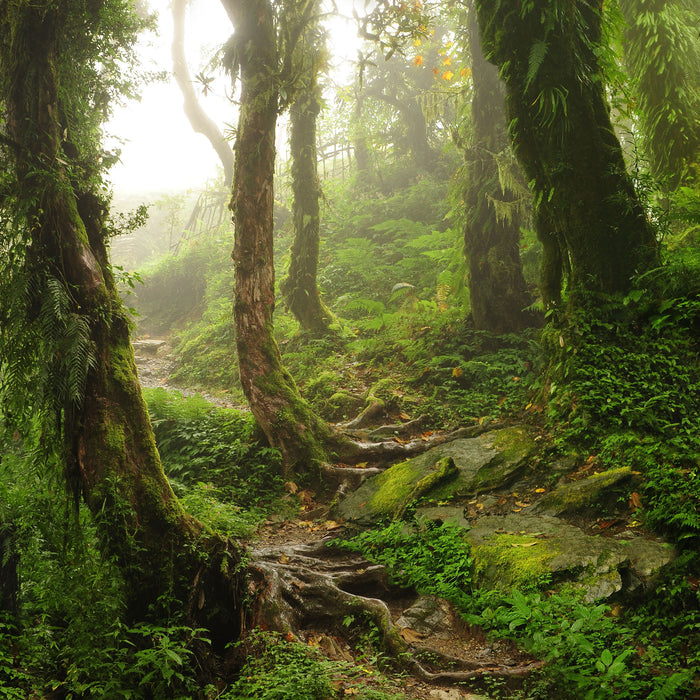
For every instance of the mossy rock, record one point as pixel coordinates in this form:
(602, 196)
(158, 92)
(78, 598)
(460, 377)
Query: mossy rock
(527, 550)
(579, 495)
(460, 467)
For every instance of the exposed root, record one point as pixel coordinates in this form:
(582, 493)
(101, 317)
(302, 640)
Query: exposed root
(361, 450)
(305, 589)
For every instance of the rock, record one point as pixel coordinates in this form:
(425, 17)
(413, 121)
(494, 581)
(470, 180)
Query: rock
(526, 549)
(577, 495)
(147, 346)
(444, 514)
(478, 464)
(428, 615)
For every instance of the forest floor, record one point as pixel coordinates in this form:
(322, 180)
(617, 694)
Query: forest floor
(455, 661)
(302, 542)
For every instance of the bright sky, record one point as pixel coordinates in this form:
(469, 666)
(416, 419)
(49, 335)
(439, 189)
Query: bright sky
(161, 153)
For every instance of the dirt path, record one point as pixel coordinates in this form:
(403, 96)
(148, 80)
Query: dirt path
(320, 586)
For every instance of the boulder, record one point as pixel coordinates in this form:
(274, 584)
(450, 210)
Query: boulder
(458, 468)
(578, 495)
(530, 549)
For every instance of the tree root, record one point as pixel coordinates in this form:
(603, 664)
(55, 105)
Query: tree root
(301, 589)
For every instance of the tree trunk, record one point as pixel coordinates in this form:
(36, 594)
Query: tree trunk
(197, 117)
(586, 210)
(165, 555)
(286, 419)
(497, 290)
(300, 288)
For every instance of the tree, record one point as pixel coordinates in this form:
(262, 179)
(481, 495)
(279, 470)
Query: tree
(494, 204)
(300, 288)
(663, 58)
(286, 419)
(194, 112)
(65, 334)
(587, 215)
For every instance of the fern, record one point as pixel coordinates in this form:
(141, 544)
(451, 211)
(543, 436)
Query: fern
(538, 53)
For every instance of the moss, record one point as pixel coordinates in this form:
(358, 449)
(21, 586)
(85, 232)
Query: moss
(514, 560)
(394, 486)
(582, 494)
(513, 443)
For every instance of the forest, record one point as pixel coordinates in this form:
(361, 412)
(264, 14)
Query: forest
(404, 405)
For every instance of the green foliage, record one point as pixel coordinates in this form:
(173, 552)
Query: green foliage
(277, 669)
(434, 559)
(199, 442)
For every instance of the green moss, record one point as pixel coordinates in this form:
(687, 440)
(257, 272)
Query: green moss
(514, 560)
(115, 439)
(513, 443)
(582, 494)
(395, 486)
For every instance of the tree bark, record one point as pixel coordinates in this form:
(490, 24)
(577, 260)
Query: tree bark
(286, 419)
(586, 210)
(300, 287)
(498, 293)
(165, 556)
(198, 118)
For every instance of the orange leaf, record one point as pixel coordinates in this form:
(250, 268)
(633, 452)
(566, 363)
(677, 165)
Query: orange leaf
(447, 61)
(410, 635)
(457, 372)
(447, 75)
(635, 500)
(418, 60)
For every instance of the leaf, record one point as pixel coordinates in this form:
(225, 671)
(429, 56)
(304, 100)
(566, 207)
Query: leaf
(410, 635)
(457, 372)
(538, 52)
(523, 544)
(540, 490)
(635, 500)
(447, 75)
(418, 60)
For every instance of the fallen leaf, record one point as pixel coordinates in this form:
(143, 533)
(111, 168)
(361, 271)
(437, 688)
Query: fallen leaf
(540, 490)
(290, 487)
(284, 559)
(523, 544)
(521, 504)
(404, 416)
(517, 510)
(501, 501)
(635, 500)
(409, 635)
(331, 525)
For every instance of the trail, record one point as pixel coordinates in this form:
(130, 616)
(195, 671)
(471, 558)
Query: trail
(318, 588)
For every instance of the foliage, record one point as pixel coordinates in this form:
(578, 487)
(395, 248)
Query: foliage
(432, 558)
(201, 443)
(277, 669)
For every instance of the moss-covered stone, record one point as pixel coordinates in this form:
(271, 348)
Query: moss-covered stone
(515, 560)
(578, 495)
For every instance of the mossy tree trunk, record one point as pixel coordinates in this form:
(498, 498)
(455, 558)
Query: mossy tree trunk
(588, 217)
(286, 419)
(110, 453)
(300, 287)
(498, 293)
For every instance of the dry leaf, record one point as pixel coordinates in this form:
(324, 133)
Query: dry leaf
(635, 500)
(523, 544)
(284, 559)
(517, 510)
(540, 490)
(409, 635)
(404, 416)
(521, 504)
(331, 525)
(290, 487)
